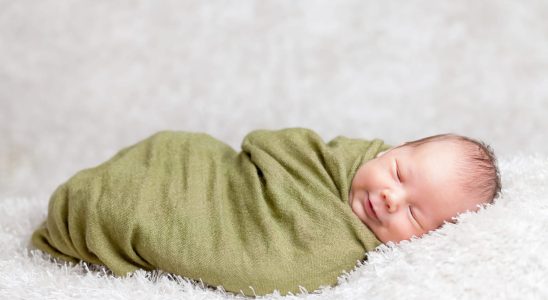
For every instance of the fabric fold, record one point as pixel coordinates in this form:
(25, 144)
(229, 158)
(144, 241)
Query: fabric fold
(274, 216)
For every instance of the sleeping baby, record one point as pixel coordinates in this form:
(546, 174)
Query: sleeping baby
(289, 211)
(414, 188)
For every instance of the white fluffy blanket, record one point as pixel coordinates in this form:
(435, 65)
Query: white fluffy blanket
(495, 253)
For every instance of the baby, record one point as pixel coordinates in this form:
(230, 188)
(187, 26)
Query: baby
(287, 211)
(414, 188)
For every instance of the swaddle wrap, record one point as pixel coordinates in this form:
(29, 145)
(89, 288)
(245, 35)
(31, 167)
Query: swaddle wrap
(273, 216)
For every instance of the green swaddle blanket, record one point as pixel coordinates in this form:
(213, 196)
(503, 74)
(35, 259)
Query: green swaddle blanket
(273, 216)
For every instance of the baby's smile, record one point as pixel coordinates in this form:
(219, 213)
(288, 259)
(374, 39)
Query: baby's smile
(369, 208)
(366, 203)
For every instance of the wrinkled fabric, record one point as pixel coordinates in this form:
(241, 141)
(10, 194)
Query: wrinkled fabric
(274, 216)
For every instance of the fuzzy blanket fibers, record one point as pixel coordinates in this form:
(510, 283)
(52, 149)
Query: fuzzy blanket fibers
(81, 79)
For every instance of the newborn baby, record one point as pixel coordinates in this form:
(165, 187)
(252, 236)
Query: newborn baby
(288, 211)
(414, 188)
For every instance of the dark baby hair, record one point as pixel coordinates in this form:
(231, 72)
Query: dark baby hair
(481, 175)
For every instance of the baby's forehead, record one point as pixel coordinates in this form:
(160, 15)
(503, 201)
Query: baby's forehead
(420, 143)
(435, 163)
(434, 147)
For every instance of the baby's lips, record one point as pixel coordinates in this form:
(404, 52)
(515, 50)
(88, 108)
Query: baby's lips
(369, 204)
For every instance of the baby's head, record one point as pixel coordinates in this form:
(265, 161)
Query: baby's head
(417, 186)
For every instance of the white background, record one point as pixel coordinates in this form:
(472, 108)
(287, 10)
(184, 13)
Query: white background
(81, 79)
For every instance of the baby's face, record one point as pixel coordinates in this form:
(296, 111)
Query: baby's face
(409, 191)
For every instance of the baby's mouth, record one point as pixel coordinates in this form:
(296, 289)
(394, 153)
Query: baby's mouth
(371, 211)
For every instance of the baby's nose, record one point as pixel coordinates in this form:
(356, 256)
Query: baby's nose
(390, 200)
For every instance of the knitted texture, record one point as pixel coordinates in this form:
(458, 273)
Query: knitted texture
(273, 216)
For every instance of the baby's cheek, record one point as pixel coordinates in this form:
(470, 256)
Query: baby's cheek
(404, 229)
